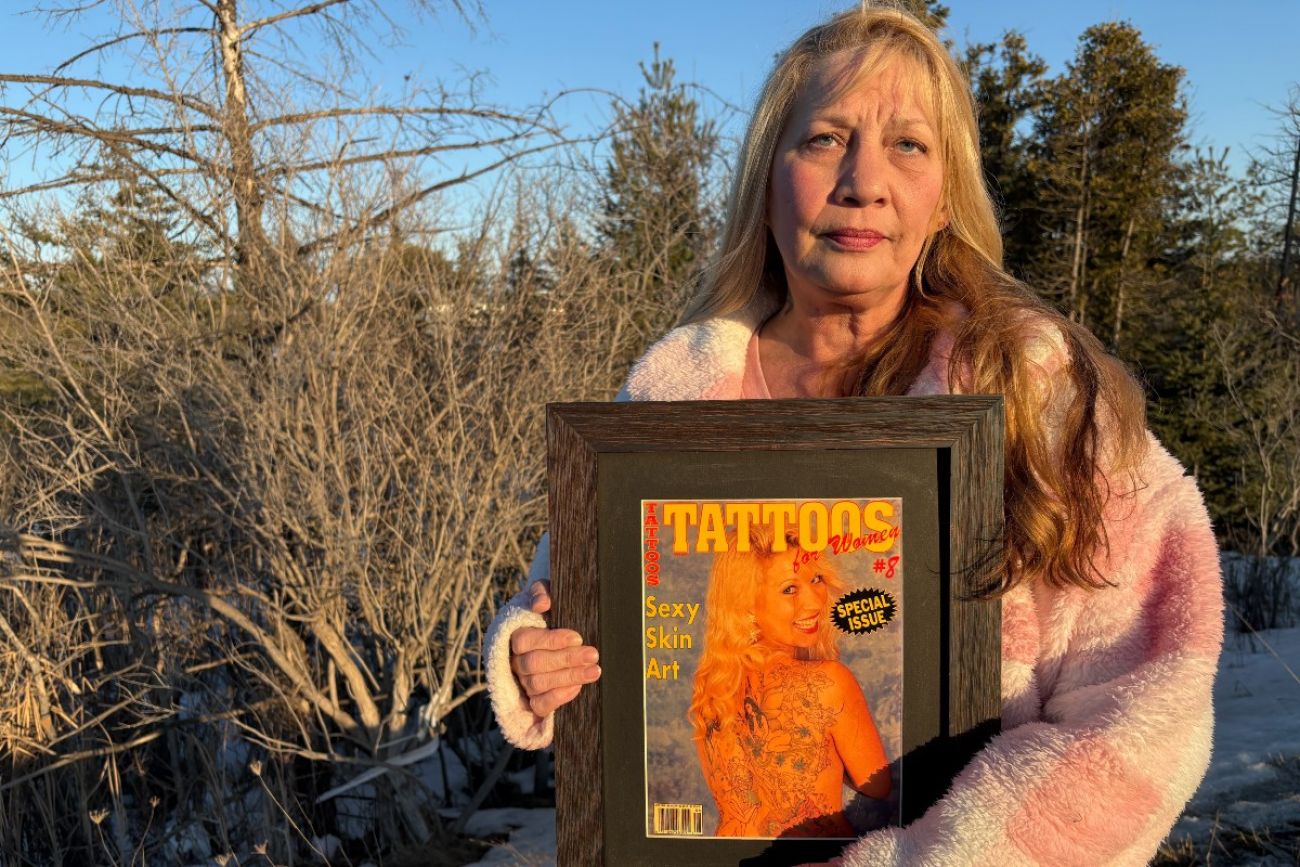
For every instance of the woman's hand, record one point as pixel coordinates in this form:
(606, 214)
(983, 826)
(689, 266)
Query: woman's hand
(551, 664)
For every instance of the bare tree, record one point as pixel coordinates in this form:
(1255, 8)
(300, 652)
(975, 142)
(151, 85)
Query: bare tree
(249, 134)
(272, 456)
(1256, 408)
(270, 435)
(1276, 168)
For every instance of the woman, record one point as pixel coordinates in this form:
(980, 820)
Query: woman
(861, 255)
(779, 722)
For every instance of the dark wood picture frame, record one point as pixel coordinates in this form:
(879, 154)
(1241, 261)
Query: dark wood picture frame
(602, 458)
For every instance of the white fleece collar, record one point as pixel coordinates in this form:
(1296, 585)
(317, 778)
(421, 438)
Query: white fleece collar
(705, 360)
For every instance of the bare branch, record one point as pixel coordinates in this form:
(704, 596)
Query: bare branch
(400, 154)
(401, 111)
(313, 9)
(81, 756)
(47, 551)
(353, 232)
(142, 34)
(82, 180)
(185, 100)
(43, 125)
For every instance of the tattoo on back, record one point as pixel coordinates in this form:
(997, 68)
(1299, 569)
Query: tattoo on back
(767, 765)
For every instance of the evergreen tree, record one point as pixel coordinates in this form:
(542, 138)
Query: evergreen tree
(1103, 153)
(1211, 281)
(132, 231)
(1007, 83)
(930, 12)
(125, 240)
(654, 224)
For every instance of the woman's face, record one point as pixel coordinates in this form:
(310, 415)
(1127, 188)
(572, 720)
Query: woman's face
(791, 605)
(856, 184)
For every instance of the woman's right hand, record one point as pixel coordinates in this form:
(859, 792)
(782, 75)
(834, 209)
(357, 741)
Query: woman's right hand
(550, 664)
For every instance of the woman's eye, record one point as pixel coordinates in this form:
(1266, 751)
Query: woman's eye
(789, 590)
(823, 140)
(817, 579)
(911, 146)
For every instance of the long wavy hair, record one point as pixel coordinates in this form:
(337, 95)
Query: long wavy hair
(1073, 437)
(731, 650)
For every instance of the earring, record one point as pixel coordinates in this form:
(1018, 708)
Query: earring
(753, 629)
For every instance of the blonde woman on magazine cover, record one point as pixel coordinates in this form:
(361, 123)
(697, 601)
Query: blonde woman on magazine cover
(780, 723)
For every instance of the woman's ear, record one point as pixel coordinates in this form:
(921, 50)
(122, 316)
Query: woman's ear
(941, 218)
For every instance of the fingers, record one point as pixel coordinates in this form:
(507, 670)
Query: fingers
(540, 601)
(530, 638)
(551, 659)
(541, 671)
(552, 665)
(547, 702)
(538, 685)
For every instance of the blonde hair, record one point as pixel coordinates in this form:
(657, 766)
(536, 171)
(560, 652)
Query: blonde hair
(731, 649)
(1057, 477)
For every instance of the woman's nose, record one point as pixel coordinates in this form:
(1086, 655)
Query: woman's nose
(862, 178)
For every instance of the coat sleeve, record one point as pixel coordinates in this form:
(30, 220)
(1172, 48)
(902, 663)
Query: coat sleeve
(1096, 769)
(519, 724)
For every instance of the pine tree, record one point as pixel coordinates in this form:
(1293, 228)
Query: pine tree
(1007, 83)
(1211, 277)
(125, 239)
(654, 224)
(140, 236)
(930, 12)
(1103, 152)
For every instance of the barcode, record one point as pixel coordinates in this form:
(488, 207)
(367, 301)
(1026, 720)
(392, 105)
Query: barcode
(679, 819)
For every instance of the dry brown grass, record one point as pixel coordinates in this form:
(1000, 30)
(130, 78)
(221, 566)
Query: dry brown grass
(1231, 844)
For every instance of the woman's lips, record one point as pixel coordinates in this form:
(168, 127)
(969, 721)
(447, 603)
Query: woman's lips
(809, 626)
(854, 239)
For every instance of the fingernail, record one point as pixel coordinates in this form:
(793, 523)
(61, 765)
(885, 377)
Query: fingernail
(590, 655)
(573, 640)
(593, 672)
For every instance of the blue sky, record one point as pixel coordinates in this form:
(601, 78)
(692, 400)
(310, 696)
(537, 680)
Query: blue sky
(1239, 57)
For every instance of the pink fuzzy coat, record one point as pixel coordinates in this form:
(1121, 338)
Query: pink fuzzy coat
(1106, 695)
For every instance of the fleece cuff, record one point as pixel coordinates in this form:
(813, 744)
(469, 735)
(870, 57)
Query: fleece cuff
(519, 724)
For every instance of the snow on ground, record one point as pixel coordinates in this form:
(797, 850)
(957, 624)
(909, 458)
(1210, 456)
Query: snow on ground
(532, 836)
(1254, 776)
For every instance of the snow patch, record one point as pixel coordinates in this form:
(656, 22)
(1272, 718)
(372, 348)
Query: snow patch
(532, 835)
(1254, 775)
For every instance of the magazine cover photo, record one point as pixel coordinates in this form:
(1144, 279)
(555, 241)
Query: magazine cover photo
(773, 666)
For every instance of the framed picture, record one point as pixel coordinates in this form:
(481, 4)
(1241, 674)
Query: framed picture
(785, 599)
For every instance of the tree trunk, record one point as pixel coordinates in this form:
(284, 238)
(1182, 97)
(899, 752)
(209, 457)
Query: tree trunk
(1123, 273)
(251, 244)
(1283, 283)
(1081, 214)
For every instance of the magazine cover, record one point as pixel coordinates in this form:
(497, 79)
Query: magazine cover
(773, 661)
